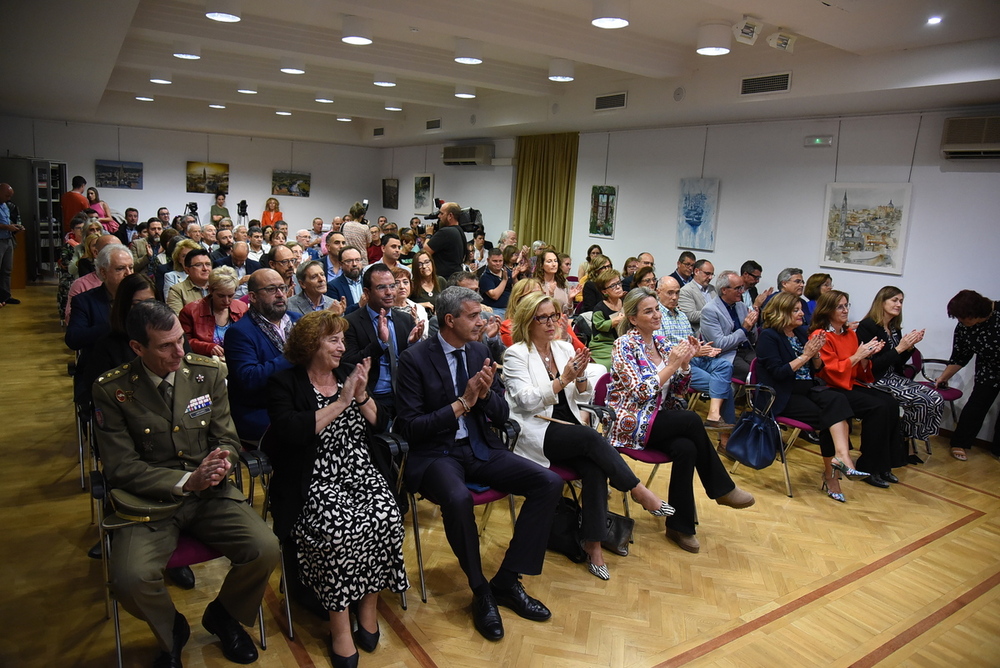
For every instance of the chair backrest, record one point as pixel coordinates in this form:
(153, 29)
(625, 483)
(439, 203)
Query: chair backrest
(601, 390)
(752, 376)
(913, 367)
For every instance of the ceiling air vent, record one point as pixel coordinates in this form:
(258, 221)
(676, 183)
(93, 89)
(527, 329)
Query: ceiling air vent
(973, 138)
(469, 154)
(378, 132)
(612, 101)
(766, 83)
(434, 124)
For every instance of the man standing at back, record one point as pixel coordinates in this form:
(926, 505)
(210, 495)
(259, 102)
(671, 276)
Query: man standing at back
(447, 246)
(10, 224)
(73, 201)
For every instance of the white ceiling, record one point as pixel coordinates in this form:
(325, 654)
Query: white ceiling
(86, 61)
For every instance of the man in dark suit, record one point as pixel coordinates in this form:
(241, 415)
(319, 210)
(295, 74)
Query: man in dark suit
(166, 436)
(254, 351)
(349, 284)
(379, 332)
(685, 268)
(245, 267)
(448, 389)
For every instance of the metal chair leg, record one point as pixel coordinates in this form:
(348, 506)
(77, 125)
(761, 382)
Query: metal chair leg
(288, 599)
(416, 541)
(260, 624)
(513, 517)
(118, 634)
(652, 474)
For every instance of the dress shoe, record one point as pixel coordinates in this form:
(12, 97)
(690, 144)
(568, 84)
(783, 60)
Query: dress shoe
(365, 640)
(665, 510)
(601, 571)
(718, 424)
(888, 477)
(338, 661)
(182, 632)
(13, 301)
(517, 599)
(95, 551)
(876, 481)
(737, 498)
(486, 617)
(183, 577)
(684, 541)
(236, 644)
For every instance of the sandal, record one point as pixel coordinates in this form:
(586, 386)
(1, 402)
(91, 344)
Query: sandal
(959, 454)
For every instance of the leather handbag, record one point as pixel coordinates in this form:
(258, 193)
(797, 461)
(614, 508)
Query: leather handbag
(619, 533)
(564, 537)
(756, 438)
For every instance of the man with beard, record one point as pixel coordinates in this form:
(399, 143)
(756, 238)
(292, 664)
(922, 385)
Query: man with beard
(144, 251)
(127, 232)
(254, 346)
(348, 285)
(335, 242)
(379, 333)
(224, 238)
(282, 260)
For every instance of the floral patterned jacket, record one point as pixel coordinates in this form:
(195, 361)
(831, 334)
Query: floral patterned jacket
(635, 393)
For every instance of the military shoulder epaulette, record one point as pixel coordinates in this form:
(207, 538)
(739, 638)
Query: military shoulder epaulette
(114, 373)
(201, 360)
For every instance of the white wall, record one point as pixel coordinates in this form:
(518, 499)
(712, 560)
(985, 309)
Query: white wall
(771, 198)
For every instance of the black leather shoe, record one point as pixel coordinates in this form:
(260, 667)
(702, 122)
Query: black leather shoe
(365, 640)
(876, 481)
(518, 600)
(11, 300)
(486, 617)
(182, 632)
(338, 661)
(888, 477)
(183, 577)
(95, 551)
(810, 436)
(236, 643)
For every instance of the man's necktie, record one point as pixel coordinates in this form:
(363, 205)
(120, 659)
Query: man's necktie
(476, 439)
(167, 392)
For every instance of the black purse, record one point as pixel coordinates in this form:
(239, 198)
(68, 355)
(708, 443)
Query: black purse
(619, 533)
(756, 439)
(564, 537)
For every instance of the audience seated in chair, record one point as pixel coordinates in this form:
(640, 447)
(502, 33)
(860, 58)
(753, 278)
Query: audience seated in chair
(698, 292)
(729, 326)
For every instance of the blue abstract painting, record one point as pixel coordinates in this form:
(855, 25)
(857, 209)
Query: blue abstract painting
(697, 214)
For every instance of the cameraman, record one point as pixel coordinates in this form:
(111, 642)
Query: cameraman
(447, 246)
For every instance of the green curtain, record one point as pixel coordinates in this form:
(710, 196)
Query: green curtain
(546, 184)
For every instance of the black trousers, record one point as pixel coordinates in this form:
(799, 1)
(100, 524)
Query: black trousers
(975, 411)
(444, 484)
(682, 436)
(820, 407)
(879, 413)
(589, 454)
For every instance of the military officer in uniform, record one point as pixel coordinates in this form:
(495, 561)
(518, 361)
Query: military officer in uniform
(165, 434)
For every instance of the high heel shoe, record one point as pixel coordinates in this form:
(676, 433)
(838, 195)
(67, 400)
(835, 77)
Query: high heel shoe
(847, 470)
(338, 661)
(836, 496)
(665, 510)
(598, 571)
(365, 640)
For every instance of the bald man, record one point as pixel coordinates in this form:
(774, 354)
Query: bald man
(10, 224)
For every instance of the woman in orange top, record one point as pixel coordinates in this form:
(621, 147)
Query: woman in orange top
(847, 369)
(271, 213)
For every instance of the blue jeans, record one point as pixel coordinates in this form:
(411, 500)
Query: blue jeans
(714, 375)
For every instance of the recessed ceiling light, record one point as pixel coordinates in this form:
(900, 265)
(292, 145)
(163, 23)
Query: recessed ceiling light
(282, 112)
(714, 39)
(323, 99)
(465, 92)
(934, 20)
(293, 66)
(144, 98)
(163, 78)
(384, 80)
(357, 31)
(468, 52)
(393, 106)
(610, 14)
(217, 106)
(224, 11)
(560, 70)
(344, 119)
(187, 51)
(247, 89)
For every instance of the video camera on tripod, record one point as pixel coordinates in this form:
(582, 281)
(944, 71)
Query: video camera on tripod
(469, 219)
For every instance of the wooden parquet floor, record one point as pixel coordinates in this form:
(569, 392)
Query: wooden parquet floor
(903, 577)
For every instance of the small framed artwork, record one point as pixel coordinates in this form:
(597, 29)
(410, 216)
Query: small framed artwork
(865, 226)
(390, 193)
(423, 192)
(697, 214)
(603, 203)
(290, 184)
(118, 174)
(207, 177)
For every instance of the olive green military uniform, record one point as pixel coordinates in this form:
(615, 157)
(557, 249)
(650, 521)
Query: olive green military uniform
(147, 447)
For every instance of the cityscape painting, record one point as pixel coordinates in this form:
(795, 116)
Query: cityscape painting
(603, 202)
(207, 177)
(865, 226)
(697, 214)
(118, 174)
(290, 184)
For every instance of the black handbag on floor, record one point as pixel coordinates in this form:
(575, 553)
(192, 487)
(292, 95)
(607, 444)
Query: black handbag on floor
(619, 534)
(564, 537)
(756, 439)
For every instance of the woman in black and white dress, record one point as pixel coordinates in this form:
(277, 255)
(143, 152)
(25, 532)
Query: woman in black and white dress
(327, 496)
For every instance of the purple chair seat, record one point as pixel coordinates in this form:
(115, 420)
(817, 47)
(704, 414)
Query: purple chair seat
(191, 551)
(487, 496)
(566, 474)
(794, 424)
(647, 456)
(947, 393)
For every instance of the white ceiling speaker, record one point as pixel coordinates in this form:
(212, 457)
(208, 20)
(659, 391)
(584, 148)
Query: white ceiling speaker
(291, 65)
(782, 41)
(748, 30)
(560, 70)
(247, 89)
(357, 31)
(187, 51)
(714, 38)
(465, 92)
(224, 11)
(610, 14)
(468, 52)
(384, 80)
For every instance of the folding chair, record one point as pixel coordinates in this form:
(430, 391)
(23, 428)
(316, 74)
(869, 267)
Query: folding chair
(949, 394)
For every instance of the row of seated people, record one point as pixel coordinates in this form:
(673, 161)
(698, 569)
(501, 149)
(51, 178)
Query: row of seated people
(255, 354)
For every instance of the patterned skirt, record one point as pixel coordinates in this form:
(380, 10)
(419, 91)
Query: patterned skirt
(922, 406)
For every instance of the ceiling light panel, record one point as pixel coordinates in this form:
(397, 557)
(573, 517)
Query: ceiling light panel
(224, 11)
(610, 14)
(357, 31)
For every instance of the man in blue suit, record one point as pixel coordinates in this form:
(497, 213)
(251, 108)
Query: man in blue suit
(254, 346)
(726, 322)
(448, 394)
(239, 260)
(349, 285)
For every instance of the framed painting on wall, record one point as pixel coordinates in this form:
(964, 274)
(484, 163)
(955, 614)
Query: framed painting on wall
(698, 214)
(207, 177)
(423, 192)
(865, 226)
(390, 193)
(603, 203)
(290, 184)
(118, 174)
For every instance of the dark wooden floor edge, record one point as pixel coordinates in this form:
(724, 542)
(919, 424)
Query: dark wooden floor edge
(927, 623)
(958, 484)
(733, 634)
(399, 628)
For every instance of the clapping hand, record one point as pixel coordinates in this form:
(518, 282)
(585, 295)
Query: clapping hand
(866, 350)
(492, 326)
(680, 354)
(815, 344)
(416, 332)
(575, 365)
(212, 470)
(338, 306)
(762, 297)
(383, 327)
(751, 319)
(706, 349)
(912, 339)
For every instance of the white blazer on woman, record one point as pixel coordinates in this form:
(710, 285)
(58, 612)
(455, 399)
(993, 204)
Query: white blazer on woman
(529, 393)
